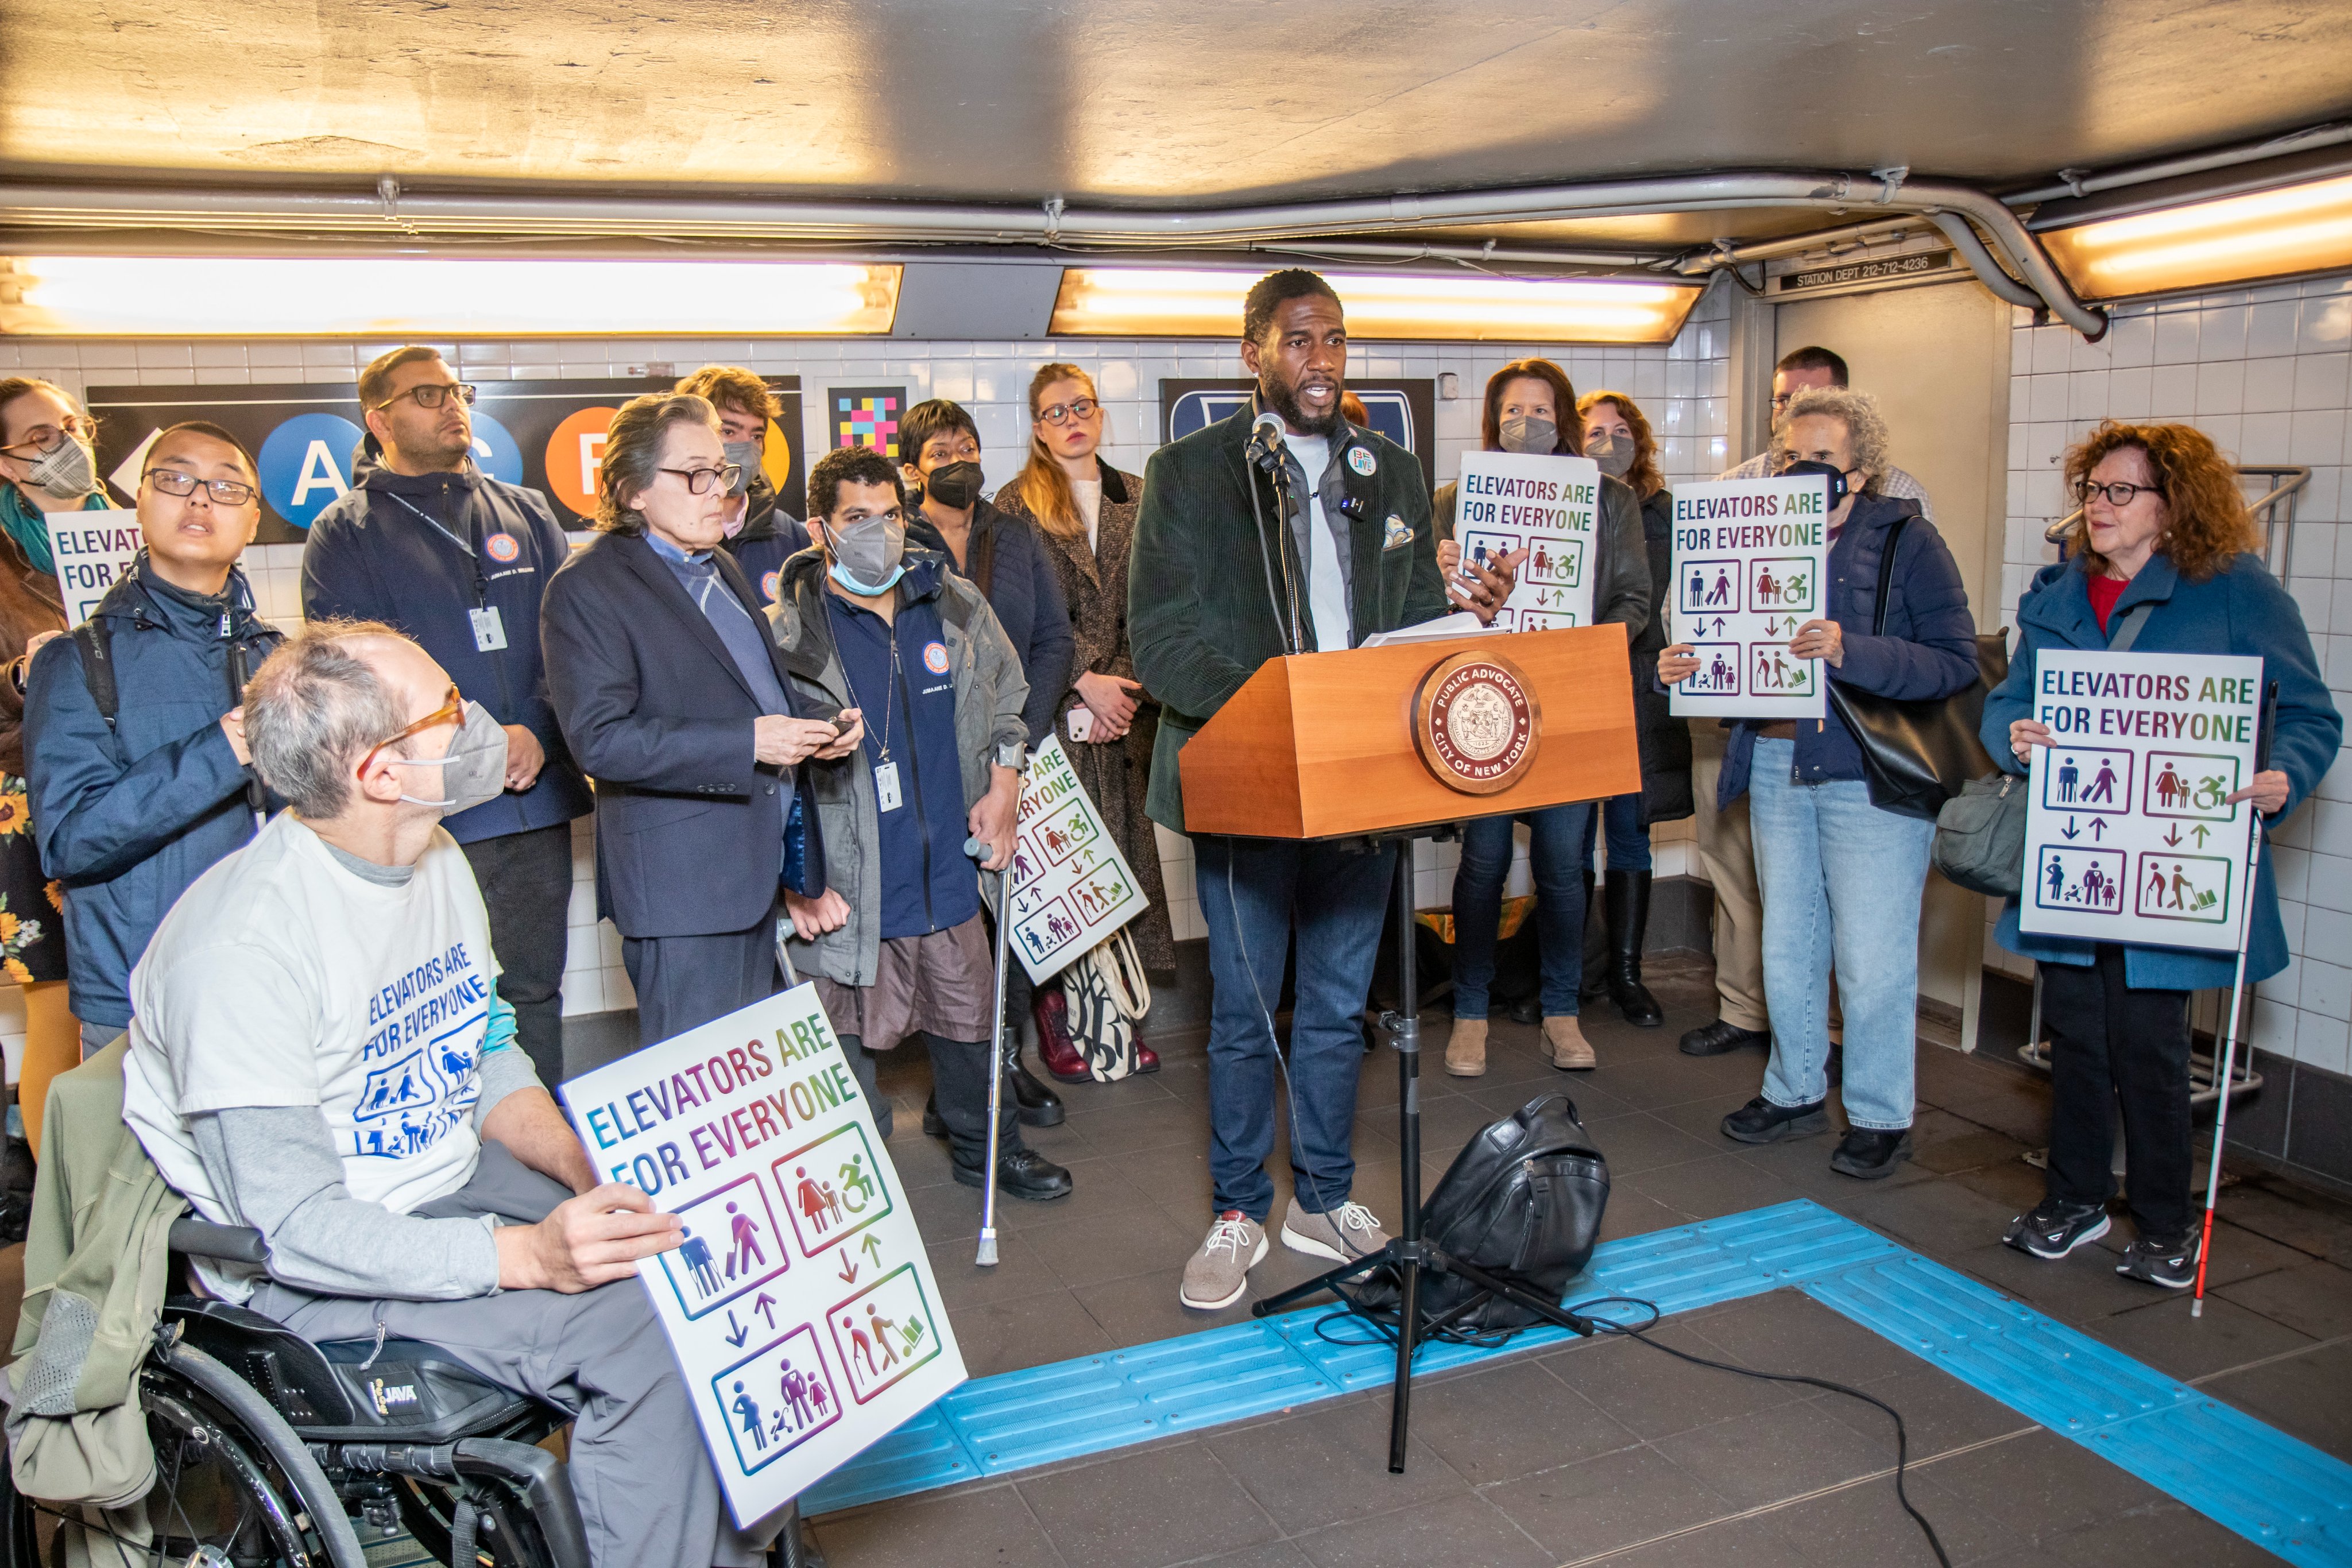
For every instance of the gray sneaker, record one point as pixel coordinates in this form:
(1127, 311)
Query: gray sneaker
(1344, 1235)
(1219, 1271)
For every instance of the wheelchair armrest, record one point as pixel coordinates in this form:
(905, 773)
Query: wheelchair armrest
(229, 1243)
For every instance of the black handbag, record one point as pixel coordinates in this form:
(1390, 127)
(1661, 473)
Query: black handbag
(1522, 1202)
(1916, 756)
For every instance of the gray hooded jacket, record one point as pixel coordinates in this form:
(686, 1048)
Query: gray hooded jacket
(989, 694)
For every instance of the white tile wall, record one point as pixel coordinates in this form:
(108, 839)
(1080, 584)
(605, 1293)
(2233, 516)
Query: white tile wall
(2267, 373)
(1683, 386)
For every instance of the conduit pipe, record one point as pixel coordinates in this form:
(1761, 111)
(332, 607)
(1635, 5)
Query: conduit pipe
(2083, 182)
(423, 214)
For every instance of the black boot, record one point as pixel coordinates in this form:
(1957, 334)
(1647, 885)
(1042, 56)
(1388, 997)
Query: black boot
(1036, 1103)
(1596, 948)
(1628, 893)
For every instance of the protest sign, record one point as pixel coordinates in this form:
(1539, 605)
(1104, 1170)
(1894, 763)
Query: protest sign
(2127, 834)
(93, 551)
(1071, 887)
(1548, 507)
(799, 1305)
(1751, 560)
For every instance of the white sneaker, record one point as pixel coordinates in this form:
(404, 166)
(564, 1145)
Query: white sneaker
(1219, 1271)
(1344, 1235)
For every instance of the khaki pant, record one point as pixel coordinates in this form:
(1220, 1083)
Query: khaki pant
(1728, 851)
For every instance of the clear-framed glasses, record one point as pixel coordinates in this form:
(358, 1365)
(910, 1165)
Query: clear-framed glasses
(2118, 494)
(433, 394)
(455, 708)
(227, 492)
(1063, 412)
(44, 439)
(699, 480)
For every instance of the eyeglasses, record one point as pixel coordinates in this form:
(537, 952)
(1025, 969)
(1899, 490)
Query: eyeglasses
(227, 492)
(455, 708)
(433, 394)
(2116, 495)
(47, 438)
(699, 480)
(1063, 412)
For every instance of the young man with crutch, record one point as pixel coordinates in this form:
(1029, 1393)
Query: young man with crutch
(896, 944)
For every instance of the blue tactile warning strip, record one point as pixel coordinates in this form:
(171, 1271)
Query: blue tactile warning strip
(2284, 1495)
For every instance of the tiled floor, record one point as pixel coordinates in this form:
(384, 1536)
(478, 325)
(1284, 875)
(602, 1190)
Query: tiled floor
(1605, 1452)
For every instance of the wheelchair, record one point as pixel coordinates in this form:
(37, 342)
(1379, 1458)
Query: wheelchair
(268, 1447)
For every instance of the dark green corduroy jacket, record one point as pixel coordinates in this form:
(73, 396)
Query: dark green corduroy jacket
(1199, 617)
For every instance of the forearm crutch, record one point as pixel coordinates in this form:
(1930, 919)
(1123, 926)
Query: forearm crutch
(2227, 1066)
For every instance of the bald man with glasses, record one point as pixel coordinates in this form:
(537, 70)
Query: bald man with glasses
(428, 543)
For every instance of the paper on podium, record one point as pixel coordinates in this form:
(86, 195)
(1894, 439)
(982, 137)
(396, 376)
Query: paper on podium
(1461, 624)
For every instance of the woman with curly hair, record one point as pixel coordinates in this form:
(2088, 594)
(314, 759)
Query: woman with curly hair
(1618, 437)
(2159, 560)
(1841, 876)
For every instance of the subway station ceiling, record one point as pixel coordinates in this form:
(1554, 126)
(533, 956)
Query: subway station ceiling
(1141, 101)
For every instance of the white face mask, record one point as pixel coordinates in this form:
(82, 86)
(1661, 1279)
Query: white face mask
(475, 771)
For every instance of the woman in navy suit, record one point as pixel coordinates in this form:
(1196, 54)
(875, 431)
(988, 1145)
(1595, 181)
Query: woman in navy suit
(675, 701)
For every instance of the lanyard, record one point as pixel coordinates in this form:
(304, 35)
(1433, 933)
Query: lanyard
(898, 681)
(481, 580)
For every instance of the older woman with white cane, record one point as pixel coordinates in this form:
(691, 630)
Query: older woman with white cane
(2159, 560)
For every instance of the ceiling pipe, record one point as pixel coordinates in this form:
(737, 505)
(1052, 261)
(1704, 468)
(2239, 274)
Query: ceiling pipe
(2083, 182)
(421, 214)
(1725, 254)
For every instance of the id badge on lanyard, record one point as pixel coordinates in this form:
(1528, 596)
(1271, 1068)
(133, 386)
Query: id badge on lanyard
(885, 787)
(489, 632)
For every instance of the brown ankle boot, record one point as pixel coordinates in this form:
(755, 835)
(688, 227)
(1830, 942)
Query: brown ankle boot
(1465, 1050)
(1564, 1042)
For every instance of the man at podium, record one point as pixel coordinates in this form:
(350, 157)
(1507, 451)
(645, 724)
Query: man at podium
(1282, 530)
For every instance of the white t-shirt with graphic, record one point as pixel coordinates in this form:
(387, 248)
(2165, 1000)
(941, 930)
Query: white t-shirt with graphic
(282, 978)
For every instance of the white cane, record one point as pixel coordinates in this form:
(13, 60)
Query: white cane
(2227, 1065)
(986, 1257)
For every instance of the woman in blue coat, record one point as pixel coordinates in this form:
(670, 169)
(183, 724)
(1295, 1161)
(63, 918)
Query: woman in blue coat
(2160, 551)
(1841, 876)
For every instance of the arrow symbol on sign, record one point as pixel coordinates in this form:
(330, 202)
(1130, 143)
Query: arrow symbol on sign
(2069, 828)
(2099, 828)
(2199, 832)
(873, 1250)
(848, 1269)
(2173, 837)
(766, 1307)
(743, 1330)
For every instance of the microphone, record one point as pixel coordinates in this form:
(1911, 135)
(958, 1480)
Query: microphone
(1265, 439)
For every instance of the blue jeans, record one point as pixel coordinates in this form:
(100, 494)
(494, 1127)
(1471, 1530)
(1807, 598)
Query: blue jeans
(1254, 893)
(1555, 842)
(1841, 880)
(1629, 841)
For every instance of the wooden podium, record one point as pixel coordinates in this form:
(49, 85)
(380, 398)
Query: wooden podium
(1321, 745)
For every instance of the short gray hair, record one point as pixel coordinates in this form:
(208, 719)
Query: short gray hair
(1866, 427)
(313, 710)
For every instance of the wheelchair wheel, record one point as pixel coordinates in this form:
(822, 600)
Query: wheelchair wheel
(234, 1488)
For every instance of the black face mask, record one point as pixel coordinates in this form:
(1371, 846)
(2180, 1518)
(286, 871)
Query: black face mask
(955, 486)
(1829, 471)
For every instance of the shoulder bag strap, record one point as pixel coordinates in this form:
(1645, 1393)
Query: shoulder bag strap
(1886, 574)
(2129, 633)
(98, 669)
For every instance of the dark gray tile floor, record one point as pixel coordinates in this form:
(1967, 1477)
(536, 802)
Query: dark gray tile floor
(1607, 1453)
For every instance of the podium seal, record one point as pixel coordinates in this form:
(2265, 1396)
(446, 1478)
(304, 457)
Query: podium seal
(1475, 723)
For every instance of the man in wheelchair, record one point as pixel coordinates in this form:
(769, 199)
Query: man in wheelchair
(319, 1052)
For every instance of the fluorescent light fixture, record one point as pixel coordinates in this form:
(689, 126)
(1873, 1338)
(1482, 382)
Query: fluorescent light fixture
(412, 296)
(1147, 302)
(2266, 233)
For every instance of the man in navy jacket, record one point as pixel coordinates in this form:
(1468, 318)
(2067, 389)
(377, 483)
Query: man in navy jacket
(458, 560)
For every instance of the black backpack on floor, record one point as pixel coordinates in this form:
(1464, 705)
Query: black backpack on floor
(1523, 1202)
